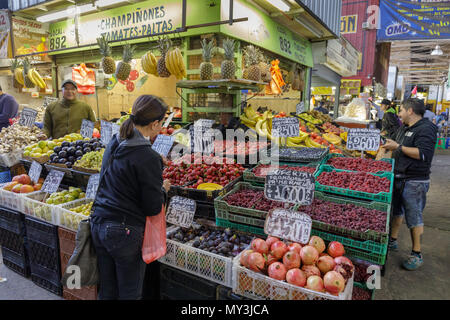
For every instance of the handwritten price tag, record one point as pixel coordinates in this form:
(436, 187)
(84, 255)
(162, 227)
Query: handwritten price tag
(92, 187)
(290, 186)
(163, 144)
(52, 181)
(202, 139)
(181, 211)
(115, 128)
(87, 128)
(300, 107)
(106, 132)
(288, 224)
(35, 171)
(363, 139)
(285, 127)
(28, 117)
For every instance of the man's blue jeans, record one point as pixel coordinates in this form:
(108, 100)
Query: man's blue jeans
(119, 255)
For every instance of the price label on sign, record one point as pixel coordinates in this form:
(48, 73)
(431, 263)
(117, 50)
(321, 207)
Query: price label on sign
(106, 132)
(87, 128)
(205, 123)
(35, 171)
(285, 127)
(115, 128)
(300, 107)
(169, 119)
(288, 224)
(91, 189)
(163, 144)
(202, 139)
(181, 211)
(53, 180)
(28, 117)
(48, 100)
(363, 139)
(290, 186)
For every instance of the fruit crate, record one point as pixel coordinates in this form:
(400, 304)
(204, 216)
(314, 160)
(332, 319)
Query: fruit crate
(11, 158)
(207, 265)
(5, 176)
(316, 154)
(258, 286)
(225, 293)
(375, 258)
(240, 227)
(362, 287)
(205, 210)
(361, 275)
(334, 155)
(385, 197)
(375, 236)
(12, 221)
(33, 206)
(249, 175)
(11, 200)
(69, 219)
(16, 262)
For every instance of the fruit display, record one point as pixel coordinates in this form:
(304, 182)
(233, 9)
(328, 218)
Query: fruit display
(195, 170)
(252, 57)
(17, 70)
(65, 196)
(164, 45)
(359, 164)
(252, 199)
(91, 160)
(23, 184)
(84, 209)
(241, 148)
(228, 67)
(108, 63)
(301, 154)
(309, 118)
(31, 77)
(331, 128)
(46, 147)
(361, 294)
(206, 67)
(70, 220)
(175, 64)
(124, 68)
(68, 153)
(320, 116)
(17, 137)
(170, 129)
(262, 170)
(359, 181)
(313, 266)
(348, 216)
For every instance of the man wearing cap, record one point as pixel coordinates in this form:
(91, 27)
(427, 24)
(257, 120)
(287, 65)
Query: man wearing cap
(65, 116)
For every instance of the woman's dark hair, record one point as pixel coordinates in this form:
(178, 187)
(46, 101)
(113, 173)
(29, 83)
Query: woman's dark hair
(416, 105)
(146, 109)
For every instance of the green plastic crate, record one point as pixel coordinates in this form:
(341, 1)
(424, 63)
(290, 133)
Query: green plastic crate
(240, 227)
(376, 258)
(380, 237)
(334, 155)
(381, 196)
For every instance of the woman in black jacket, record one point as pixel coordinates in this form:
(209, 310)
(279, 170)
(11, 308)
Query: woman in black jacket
(390, 123)
(131, 188)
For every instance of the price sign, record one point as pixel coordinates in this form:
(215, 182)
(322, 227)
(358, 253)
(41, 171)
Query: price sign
(91, 189)
(163, 144)
(106, 133)
(363, 139)
(28, 117)
(115, 128)
(288, 224)
(35, 171)
(48, 101)
(169, 119)
(290, 186)
(300, 107)
(53, 180)
(181, 211)
(285, 127)
(206, 123)
(202, 139)
(87, 128)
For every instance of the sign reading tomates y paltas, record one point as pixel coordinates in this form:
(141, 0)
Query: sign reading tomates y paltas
(363, 139)
(181, 211)
(290, 186)
(288, 224)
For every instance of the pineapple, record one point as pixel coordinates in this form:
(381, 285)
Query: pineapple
(108, 63)
(27, 81)
(253, 56)
(206, 67)
(266, 75)
(124, 67)
(164, 46)
(228, 68)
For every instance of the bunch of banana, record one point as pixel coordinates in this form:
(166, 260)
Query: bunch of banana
(332, 138)
(175, 64)
(297, 141)
(17, 71)
(149, 63)
(250, 117)
(343, 136)
(310, 118)
(312, 144)
(264, 126)
(36, 78)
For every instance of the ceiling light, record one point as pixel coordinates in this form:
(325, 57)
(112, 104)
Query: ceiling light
(69, 12)
(280, 4)
(437, 51)
(105, 3)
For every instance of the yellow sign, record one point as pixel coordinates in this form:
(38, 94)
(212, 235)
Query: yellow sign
(322, 91)
(349, 24)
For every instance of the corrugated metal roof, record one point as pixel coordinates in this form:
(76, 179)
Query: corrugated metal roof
(329, 11)
(15, 5)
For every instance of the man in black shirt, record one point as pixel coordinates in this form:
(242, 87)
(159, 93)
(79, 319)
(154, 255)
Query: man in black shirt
(413, 151)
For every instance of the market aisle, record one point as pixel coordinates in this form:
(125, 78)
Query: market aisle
(430, 281)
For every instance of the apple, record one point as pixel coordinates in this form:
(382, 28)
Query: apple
(22, 179)
(26, 188)
(17, 188)
(170, 130)
(10, 186)
(37, 186)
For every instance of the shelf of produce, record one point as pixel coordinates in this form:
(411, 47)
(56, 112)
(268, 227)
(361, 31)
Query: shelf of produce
(385, 197)
(34, 206)
(240, 227)
(249, 175)
(334, 155)
(11, 200)
(258, 286)
(70, 219)
(235, 84)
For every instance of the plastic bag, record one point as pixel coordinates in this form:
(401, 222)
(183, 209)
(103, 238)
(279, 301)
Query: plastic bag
(154, 246)
(84, 78)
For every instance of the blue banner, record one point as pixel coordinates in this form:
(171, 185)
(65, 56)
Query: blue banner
(413, 20)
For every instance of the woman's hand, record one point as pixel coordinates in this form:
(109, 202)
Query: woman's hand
(166, 185)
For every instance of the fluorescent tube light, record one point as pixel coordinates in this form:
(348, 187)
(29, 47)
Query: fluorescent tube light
(280, 4)
(69, 12)
(105, 3)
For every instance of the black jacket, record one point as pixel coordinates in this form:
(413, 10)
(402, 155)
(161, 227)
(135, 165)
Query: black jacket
(131, 188)
(422, 135)
(390, 124)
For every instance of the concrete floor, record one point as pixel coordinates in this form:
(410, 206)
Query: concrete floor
(430, 282)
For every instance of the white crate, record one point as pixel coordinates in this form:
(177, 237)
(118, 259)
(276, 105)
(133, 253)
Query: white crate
(11, 200)
(11, 158)
(258, 286)
(198, 262)
(69, 219)
(33, 206)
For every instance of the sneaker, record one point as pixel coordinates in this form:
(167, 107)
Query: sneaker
(413, 262)
(393, 245)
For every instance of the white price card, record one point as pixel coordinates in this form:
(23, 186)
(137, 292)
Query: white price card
(35, 171)
(169, 119)
(28, 117)
(106, 132)
(92, 186)
(288, 224)
(87, 128)
(300, 107)
(163, 144)
(202, 139)
(115, 128)
(52, 181)
(290, 186)
(363, 139)
(181, 211)
(285, 127)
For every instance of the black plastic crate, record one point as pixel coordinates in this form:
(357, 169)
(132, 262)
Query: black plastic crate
(12, 241)
(44, 256)
(12, 220)
(47, 285)
(178, 285)
(226, 293)
(16, 262)
(42, 232)
(205, 210)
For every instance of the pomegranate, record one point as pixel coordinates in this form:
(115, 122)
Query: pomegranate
(334, 282)
(325, 264)
(344, 266)
(324, 254)
(317, 243)
(291, 260)
(270, 240)
(294, 246)
(244, 257)
(335, 249)
(256, 261)
(309, 255)
(277, 271)
(310, 270)
(278, 249)
(296, 277)
(269, 259)
(315, 283)
(259, 245)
